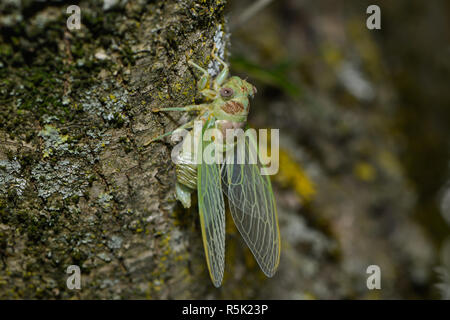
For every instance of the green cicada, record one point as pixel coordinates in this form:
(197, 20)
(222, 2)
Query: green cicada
(250, 197)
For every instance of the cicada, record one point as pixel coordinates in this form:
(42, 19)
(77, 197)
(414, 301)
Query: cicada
(250, 197)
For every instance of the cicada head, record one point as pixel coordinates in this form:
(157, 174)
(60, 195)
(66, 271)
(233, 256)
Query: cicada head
(232, 102)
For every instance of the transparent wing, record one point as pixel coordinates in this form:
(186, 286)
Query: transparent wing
(212, 216)
(253, 209)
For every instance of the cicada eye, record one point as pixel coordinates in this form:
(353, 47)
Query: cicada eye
(226, 92)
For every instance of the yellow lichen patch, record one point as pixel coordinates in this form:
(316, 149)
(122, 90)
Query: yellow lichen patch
(309, 296)
(180, 257)
(364, 171)
(291, 174)
(332, 55)
(373, 295)
(53, 141)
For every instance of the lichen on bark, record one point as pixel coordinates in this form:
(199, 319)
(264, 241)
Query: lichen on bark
(78, 185)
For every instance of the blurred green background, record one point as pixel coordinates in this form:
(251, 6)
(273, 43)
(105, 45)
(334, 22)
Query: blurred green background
(364, 126)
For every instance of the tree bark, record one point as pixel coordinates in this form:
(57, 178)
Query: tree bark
(78, 185)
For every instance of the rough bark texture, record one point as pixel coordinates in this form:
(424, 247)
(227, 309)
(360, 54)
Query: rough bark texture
(79, 186)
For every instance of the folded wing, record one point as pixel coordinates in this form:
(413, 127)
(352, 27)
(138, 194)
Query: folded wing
(212, 216)
(253, 209)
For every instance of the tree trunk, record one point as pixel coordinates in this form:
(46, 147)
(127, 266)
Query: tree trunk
(78, 185)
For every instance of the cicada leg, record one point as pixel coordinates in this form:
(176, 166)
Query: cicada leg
(208, 93)
(205, 77)
(223, 75)
(184, 126)
(192, 107)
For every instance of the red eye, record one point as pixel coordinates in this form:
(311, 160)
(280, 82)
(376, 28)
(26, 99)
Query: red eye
(226, 92)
